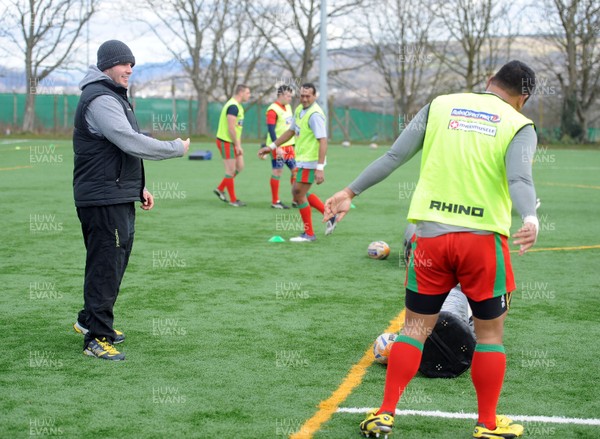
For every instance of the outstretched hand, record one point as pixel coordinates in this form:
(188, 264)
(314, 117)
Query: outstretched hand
(339, 204)
(186, 145)
(525, 237)
(264, 152)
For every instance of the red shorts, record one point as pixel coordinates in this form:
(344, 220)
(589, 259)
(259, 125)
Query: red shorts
(288, 153)
(305, 175)
(226, 149)
(480, 263)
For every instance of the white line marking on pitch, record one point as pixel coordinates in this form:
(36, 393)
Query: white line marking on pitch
(10, 142)
(449, 415)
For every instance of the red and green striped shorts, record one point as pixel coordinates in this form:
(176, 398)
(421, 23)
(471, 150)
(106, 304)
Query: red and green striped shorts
(226, 149)
(480, 263)
(305, 175)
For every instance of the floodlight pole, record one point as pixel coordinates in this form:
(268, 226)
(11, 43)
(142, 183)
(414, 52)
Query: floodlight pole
(323, 60)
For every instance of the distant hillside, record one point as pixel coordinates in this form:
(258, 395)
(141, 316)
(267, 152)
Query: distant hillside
(360, 88)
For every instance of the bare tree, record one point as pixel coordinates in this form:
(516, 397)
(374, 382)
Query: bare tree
(46, 32)
(240, 51)
(575, 32)
(292, 29)
(214, 44)
(469, 51)
(398, 47)
(190, 31)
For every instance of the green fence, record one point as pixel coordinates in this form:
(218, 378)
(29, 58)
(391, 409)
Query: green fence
(177, 118)
(594, 135)
(166, 117)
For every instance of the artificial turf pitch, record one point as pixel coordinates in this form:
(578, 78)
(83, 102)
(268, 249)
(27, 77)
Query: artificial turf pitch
(229, 335)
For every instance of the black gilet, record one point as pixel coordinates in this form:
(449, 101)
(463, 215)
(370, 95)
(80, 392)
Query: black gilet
(103, 174)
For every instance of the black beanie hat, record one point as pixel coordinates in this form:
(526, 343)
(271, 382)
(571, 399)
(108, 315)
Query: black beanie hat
(112, 53)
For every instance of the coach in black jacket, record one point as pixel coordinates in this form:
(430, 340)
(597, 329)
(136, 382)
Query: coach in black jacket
(108, 177)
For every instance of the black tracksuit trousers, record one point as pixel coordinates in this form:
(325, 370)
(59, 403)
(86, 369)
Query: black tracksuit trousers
(108, 236)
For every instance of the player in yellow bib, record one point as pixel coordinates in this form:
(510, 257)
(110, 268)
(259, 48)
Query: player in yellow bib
(477, 152)
(229, 142)
(310, 130)
(279, 118)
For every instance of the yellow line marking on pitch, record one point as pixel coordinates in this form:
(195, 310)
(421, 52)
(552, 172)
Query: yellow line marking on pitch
(329, 406)
(582, 186)
(15, 167)
(556, 249)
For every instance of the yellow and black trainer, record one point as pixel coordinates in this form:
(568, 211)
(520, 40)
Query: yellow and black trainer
(377, 425)
(103, 349)
(80, 329)
(504, 429)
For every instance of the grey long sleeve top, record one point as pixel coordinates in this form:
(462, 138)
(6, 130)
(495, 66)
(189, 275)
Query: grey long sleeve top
(105, 117)
(519, 157)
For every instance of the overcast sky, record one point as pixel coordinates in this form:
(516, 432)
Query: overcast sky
(106, 24)
(123, 21)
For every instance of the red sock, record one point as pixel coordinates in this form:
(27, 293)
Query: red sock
(224, 183)
(274, 189)
(315, 202)
(230, 188)
(403, 364)
(306, 214)
(487, 372)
